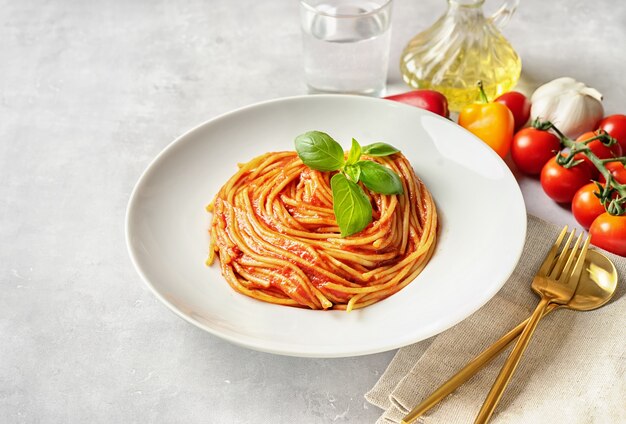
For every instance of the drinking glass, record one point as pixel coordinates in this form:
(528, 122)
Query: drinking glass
(346, 45)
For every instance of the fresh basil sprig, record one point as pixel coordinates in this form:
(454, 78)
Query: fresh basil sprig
(352, 207)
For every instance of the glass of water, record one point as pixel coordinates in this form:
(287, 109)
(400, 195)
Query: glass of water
(346, 45)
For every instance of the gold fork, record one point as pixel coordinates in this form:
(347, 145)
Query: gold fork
(553, 286)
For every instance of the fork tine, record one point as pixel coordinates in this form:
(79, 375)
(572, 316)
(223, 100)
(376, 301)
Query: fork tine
(547, 263)
(573, 255)
(577, 271)
(558, 267)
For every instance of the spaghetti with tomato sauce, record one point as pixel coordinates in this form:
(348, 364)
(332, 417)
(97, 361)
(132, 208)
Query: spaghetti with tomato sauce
(277, 240)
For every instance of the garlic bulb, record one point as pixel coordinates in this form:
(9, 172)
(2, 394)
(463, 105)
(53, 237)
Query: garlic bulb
(570, 105)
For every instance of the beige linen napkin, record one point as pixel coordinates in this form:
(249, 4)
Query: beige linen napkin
(572, 372)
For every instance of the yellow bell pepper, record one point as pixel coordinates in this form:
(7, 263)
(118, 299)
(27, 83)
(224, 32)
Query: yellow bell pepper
(492, 122)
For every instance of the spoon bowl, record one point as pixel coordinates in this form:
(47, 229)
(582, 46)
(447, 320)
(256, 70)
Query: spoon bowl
(598, 283)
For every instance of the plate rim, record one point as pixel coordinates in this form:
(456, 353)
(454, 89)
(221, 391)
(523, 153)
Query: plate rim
(251, 343)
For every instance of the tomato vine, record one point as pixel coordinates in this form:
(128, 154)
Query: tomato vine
(613, 193)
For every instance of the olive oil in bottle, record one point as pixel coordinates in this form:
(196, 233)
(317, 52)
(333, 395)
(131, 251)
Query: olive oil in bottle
(461, 48)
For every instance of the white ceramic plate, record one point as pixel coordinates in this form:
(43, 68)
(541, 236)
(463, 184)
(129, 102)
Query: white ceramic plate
(483, 226)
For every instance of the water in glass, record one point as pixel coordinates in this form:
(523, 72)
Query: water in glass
(346, 47)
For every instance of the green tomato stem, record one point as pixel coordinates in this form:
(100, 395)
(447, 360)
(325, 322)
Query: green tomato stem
(600, 137)
(621, 159)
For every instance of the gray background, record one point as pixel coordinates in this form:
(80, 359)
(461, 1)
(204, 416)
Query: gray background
(90, 92)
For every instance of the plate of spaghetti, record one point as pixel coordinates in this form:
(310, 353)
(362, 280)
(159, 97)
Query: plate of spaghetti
(318, 248)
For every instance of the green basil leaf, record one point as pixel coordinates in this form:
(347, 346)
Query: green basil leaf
(353, 210)
(379, 149)
(378, 178)
(319, 151)
(355, 153)
(354, 172)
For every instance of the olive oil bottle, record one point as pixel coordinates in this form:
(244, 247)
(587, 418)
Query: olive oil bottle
(461, 48)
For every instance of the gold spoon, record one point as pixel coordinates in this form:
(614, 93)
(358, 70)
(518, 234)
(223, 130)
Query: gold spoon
(597, 285)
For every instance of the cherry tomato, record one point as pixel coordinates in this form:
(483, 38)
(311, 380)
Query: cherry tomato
(586, 206)
(617, 170)
(532, 148)
(560, 183)
(615, 125)
(609, 233)
(519, 106)
(430, 100)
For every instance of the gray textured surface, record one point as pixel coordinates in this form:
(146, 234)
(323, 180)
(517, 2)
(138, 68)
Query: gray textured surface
(90, 92)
